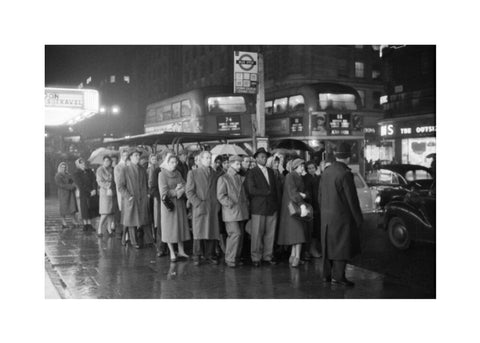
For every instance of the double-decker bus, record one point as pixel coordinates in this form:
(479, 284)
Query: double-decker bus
(319, 114)
(205, 110)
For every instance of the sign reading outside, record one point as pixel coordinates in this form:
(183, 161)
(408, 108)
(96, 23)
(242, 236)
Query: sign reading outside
(408, 129)
(245, 72)
(339, 124)
(228, 124)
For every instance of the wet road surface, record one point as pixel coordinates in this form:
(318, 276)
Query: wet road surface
(81, 265)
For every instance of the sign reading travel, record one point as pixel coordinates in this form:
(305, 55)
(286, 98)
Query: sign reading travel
(228, 124)
(245, 72)
(67, 106)
(339, 124)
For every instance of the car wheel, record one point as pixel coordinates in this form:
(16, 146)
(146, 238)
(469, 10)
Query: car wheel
(398, 233)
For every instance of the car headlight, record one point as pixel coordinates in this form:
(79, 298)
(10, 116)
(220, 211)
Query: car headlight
(378, 200)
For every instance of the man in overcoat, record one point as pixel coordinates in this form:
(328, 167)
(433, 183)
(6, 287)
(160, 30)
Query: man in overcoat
(341, 217)
(201, 190)
(133, 188)
(264, 196)
(231, 195)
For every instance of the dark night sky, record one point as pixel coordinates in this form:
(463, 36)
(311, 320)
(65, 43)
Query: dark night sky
(68, 65)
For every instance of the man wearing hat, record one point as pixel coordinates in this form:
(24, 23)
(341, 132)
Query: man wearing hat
(341, 217)
(232, 197)
(264, 196)
(133, 187)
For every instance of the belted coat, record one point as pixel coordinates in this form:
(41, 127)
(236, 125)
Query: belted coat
(133, 183)
(201, 190)
(232, 196)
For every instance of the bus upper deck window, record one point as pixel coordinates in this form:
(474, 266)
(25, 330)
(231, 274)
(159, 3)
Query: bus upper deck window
(167, 112)
(176, 110)
(280, 105)
(186, 108)
(227, 104)
(268, 107)
(331, 101)
(296, 103)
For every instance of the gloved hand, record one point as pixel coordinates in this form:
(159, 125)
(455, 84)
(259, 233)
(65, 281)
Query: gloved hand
(303, 211)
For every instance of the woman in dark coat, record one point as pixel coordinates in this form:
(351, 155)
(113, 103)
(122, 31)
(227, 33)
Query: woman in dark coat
(292, 230)
(87, 197)
(174, 223)
(66, 194)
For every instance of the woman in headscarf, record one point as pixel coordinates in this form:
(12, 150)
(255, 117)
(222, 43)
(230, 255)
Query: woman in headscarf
(66, 194)
(87, 197)
(108, 196)
(292, 230)
(174, 222)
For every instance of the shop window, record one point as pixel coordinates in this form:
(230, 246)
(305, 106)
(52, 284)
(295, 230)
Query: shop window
(296, 103)
(186, 108)
(227, 104)
(359, 69)
(268, 107)
(280, 105)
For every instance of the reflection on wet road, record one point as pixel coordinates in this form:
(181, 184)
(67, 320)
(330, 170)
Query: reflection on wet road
(92, 267)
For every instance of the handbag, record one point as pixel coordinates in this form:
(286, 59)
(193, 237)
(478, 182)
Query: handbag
(294, 211)
(168, 203)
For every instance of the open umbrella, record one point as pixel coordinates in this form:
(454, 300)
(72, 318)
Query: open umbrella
(96, 157)
(228, 149)
(292, 144)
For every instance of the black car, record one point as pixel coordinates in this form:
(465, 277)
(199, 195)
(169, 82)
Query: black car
(411, 217)
(393, 181)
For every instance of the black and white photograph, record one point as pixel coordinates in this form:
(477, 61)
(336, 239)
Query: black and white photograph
(146, 184)
(249, 171)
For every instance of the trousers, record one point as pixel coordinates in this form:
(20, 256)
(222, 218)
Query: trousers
(262, 236)
(205, 247)
(234, 244)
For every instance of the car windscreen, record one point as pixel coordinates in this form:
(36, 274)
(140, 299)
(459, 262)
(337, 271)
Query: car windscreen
(418, 174)
(385, 177)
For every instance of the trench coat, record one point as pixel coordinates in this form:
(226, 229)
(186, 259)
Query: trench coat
(66, 194)
(174, 224)
(291, 230)
(340, 213)
(85, 182)
(133, 183)
(108, 203)
(232, 196)
(201, 190)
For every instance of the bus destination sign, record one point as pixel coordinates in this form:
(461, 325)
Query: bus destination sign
(245, 72)
(228, 124)
(339, 124)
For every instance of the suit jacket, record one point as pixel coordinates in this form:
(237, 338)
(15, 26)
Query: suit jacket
(201, 191)
(341, 216)
(231, 194)
(264, 197)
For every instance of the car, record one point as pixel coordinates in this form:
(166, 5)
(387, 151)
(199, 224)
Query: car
(366, 194)
(411, 217)
(393, 181)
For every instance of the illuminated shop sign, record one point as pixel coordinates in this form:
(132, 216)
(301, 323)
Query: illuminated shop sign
(339, 124)
(68, 106)
(408, 129)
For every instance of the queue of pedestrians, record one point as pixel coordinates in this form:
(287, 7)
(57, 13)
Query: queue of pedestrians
(243, 209)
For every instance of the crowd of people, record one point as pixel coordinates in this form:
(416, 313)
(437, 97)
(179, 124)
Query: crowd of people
(261, 208)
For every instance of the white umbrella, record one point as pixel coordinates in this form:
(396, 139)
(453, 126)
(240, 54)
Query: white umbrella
(228, 149)
(96, 157)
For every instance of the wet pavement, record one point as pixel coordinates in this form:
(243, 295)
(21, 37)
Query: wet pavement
(81, 265)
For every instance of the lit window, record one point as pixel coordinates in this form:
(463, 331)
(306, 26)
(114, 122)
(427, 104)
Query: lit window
(359, 69)
(362, 96)
(375, 74)
(89, 80)
(296, 103)
(112, 79)
(126, 78)
(280, 105)
(337, 101)
(268, 107)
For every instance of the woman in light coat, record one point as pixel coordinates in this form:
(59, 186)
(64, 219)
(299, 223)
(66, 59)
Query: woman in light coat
(174, 223)
(66, 194)
(108, 197)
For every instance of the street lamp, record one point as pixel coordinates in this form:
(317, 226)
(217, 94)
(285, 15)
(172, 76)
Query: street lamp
(115, 109)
